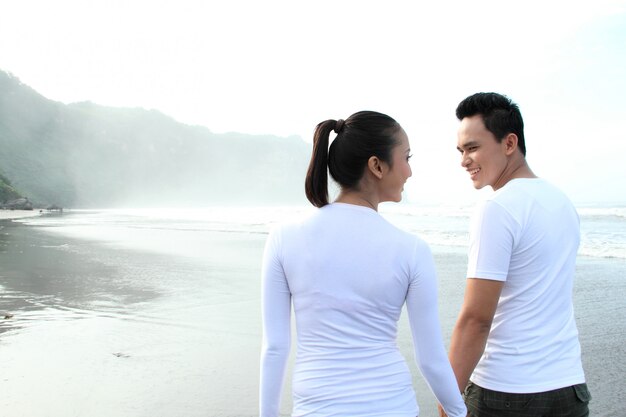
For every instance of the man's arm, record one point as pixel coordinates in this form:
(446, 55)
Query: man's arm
(469, 336)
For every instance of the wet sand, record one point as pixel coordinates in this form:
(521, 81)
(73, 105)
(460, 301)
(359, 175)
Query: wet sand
(102, 330)
(99, 331)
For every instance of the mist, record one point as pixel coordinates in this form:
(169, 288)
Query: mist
(84, 155)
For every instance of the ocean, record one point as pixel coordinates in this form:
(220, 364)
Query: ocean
(156, 312)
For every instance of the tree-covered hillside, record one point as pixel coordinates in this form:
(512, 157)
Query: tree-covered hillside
(86, 155)
(7, 192)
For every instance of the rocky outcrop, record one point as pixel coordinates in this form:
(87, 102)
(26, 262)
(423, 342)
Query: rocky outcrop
(18, 204)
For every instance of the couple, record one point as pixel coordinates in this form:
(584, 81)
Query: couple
(514, 349)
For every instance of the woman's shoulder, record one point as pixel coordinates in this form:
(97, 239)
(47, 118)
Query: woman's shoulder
(293, 221)
(405, 239)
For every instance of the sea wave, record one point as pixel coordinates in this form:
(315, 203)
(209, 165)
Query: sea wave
(602, 212)
(603, 229)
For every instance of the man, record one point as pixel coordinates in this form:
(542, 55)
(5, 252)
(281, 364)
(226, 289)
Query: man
(515, 348)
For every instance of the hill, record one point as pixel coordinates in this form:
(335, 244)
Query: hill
(87, 155)
(7, 192)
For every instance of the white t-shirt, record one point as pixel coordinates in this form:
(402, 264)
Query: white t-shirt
(527, 234)
(349, 272)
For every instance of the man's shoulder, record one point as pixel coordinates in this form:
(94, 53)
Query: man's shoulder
(532, 199)
(529, 190)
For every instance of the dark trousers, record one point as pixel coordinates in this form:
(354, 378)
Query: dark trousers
(563, 402)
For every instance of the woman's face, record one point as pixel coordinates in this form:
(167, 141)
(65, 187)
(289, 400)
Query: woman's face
(398, 172)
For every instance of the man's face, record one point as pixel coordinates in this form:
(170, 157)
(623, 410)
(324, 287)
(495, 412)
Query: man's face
(482, 156)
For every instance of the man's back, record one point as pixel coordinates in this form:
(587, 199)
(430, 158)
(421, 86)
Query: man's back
(527, 235)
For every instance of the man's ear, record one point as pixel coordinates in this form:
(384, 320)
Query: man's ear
(375, 166)
(510, 143)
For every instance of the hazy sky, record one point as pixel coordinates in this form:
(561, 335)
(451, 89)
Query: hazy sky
(280, 67)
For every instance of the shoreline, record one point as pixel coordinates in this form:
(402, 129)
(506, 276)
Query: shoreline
(18, 214)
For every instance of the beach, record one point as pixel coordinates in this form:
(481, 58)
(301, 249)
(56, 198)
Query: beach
(18, 214)
(122, 315)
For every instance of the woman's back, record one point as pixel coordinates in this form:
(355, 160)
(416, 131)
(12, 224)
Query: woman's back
(348, 271)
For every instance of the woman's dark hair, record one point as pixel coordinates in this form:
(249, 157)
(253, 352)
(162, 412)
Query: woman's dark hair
(500, 115)
(359, 137)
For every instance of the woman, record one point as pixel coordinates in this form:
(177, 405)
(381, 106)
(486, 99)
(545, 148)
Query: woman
(349, 272)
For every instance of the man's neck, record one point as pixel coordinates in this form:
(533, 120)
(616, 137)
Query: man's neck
(516, 168)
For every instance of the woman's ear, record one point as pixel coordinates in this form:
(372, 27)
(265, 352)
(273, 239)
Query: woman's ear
(375, 166)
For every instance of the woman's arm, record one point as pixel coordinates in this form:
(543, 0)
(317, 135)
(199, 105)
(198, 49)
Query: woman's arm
(430, 352)
(276, 318)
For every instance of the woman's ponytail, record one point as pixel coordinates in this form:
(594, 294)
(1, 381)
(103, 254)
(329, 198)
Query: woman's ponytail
(316, 182)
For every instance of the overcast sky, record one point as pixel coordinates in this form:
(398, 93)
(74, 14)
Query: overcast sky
(280, 67)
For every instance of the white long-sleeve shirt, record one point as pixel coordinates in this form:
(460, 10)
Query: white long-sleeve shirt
(348, 273)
